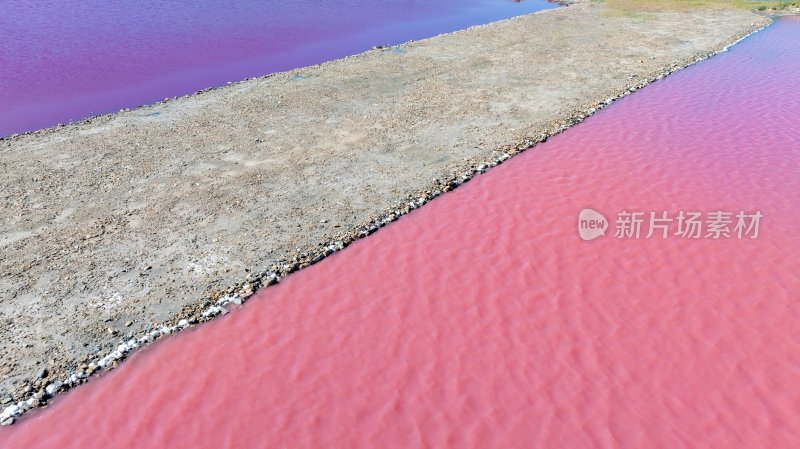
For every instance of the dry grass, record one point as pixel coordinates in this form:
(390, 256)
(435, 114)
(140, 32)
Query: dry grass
(631, 7)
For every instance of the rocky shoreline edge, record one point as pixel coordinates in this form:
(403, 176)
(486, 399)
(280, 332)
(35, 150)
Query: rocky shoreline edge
(41, 390)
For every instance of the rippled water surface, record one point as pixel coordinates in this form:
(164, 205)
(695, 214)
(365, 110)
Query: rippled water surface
(65, 60)
(482, 320)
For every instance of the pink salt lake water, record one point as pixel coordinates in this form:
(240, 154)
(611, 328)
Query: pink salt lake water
(482, 320)
(65, 60)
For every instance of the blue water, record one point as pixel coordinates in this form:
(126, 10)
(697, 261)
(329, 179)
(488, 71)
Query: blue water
(65, 60)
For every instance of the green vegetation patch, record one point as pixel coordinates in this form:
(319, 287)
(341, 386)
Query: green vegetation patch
(630, 7)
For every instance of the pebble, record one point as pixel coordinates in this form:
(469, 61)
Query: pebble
(211, 311)
(11, 410)
(52, 388)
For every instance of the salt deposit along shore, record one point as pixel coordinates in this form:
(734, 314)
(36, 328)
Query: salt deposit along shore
(122, 228)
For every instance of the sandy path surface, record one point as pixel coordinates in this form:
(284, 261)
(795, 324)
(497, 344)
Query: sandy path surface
(122, 222)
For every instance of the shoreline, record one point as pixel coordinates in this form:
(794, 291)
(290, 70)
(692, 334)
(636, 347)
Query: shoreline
(216, 299)
(98, 119)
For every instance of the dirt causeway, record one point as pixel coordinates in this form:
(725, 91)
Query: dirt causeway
(116, 224)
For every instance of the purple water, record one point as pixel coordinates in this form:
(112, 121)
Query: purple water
(61, 61)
